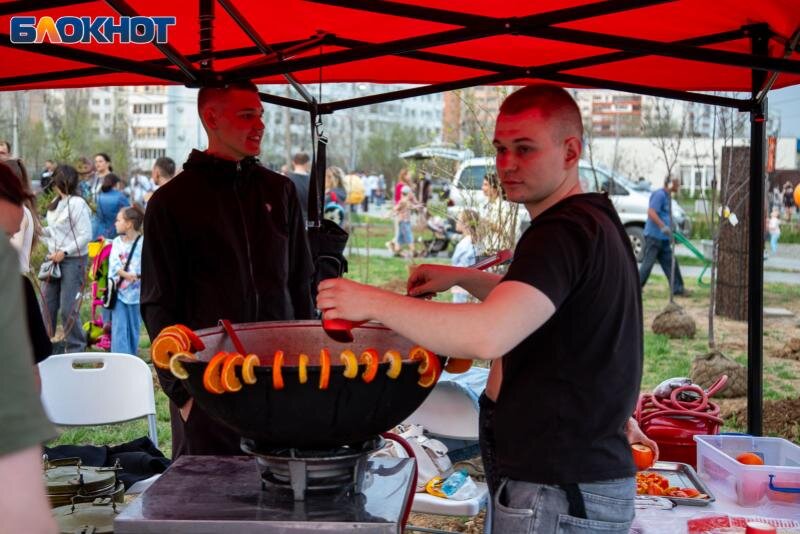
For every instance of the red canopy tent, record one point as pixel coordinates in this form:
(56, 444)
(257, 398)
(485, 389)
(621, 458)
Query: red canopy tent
(667, 48)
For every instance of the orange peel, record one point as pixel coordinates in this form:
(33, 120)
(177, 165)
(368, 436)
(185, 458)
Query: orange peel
(228, 374)
(212, 376)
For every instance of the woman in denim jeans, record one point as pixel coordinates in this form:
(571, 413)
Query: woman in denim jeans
(67, 235)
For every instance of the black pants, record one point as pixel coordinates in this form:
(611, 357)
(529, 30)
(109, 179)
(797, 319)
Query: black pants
(200, 434)
(487, 442)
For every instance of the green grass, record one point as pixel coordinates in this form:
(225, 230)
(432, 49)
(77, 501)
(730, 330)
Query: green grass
(663, 357)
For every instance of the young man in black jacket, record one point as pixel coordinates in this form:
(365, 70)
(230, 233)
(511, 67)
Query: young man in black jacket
(224, 239)
(565, 323)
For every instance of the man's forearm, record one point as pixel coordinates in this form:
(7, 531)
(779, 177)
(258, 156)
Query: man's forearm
(478, 283)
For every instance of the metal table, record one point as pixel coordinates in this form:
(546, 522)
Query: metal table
(213, 494)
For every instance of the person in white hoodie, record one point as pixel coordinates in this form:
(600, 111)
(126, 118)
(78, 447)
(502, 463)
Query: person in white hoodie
(67, 235)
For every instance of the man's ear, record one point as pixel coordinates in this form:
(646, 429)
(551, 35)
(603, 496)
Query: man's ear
(572, 152)
(209, 116)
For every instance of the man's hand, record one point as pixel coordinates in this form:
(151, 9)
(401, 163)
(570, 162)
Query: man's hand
(57, 256)
(432, 279)
(339, 298)
(666, 230)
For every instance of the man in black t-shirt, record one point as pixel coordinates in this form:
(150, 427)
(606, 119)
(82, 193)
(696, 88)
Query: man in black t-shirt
(566, 320)
(301, 176)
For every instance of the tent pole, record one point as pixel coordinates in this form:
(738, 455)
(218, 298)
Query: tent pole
(206, 20)
(755, 297)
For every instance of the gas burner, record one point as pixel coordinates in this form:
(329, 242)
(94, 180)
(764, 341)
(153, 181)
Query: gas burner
(303, 470)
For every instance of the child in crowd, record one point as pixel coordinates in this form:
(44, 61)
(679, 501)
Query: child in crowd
(466, 250)
(774, 229)
(402, 214)
(125, 267)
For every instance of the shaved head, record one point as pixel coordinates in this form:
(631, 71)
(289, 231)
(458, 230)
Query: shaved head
(553, 103)
(211, 95)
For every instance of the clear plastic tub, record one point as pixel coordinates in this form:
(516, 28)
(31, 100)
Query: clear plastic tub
(775, 482)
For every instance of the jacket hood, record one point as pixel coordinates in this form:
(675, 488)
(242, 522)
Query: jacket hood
(204, 163)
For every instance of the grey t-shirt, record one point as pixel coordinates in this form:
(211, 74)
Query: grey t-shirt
(22, 418)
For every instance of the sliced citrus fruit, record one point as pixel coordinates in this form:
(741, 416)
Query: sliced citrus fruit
(395, 363)
(643, 456)
(429, 368)
(249, 368)
(180, 334)
(324, 368)
(163, 349)
(194, 340)
(176, 366)
(228, 374)
(277, 374)
(434, 487)
(370, 358)
(350, 362)
(212, 375)
(457, 365)
(302, 368)
(421, 354)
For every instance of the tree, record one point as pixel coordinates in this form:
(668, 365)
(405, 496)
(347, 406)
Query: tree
(380, 152)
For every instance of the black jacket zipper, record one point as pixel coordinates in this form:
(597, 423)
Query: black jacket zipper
(246, 236)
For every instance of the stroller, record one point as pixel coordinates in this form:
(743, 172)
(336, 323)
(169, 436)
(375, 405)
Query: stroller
(97, 332)
(444, 234)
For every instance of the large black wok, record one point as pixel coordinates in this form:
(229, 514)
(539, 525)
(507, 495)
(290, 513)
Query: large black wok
(302, 415)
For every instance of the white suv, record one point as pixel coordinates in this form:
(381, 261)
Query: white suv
(631, 203)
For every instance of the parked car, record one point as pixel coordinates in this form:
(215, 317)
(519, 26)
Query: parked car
(630, 202)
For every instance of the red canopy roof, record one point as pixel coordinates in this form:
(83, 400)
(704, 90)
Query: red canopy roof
(664, 44)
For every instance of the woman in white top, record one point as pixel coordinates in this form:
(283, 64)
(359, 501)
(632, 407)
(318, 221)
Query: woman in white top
(30, 228)
(67, 235)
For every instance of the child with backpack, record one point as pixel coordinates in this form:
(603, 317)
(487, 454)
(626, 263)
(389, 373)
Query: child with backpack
(124, 273)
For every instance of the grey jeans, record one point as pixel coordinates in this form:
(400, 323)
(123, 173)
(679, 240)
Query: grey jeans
(525, 507)
(65, 294)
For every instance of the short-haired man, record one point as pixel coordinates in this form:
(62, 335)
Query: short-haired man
(657, 231)
(566, 321)
(163, 171)
(224, 239)
(301, 176)
(5, 150)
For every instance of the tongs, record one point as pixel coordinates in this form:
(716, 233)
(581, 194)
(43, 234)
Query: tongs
(341, 329)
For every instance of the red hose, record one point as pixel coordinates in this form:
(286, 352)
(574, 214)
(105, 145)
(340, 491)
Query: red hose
(650, 406)
(410, 501)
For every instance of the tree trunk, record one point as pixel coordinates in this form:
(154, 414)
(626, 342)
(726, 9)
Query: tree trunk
(731, 297)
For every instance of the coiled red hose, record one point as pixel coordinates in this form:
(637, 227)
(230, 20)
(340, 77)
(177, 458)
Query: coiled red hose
(650, 406)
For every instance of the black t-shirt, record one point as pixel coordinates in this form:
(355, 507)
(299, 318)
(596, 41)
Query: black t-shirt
(301, 185)
(569, 388)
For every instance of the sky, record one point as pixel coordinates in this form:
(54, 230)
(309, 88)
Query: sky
(786, 103)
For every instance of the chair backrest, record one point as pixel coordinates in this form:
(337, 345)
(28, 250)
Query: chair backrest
(97, 388)
(449, 411)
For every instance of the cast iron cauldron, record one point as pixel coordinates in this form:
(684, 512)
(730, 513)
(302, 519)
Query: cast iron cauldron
(302, 415)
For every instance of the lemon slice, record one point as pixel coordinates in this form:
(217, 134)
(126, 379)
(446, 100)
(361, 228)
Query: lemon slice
(176, 366)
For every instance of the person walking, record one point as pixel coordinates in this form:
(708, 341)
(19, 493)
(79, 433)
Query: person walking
(774, 229)
(657, 243)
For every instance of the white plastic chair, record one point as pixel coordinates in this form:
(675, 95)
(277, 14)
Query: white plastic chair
(448, 412)
(98, 388)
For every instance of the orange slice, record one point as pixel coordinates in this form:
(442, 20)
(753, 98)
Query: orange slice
(213, 374)
(228, 375)
(277, 376)
(370, 358)
(350, 362)
(428, 379)
(180, 334)
(302, 368)
(643, 456)
(457, 365)
(176, 366)
(248, 368)
(194, 340)
(163, 348)
(324, 368)
(395, 363)
(421, 354)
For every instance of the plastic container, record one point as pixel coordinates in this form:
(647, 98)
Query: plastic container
(775, 482)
